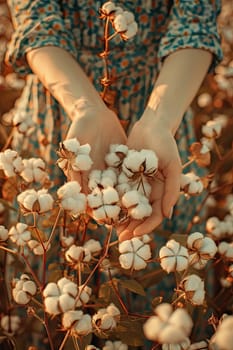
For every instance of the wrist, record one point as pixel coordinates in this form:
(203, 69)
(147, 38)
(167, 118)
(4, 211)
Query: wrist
(160, 120)
(84, 107)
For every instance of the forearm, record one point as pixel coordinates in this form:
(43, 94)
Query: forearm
(177, 84)
(62, 76)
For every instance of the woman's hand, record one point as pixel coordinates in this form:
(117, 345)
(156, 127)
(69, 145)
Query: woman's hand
(149, 133)
(99, 127)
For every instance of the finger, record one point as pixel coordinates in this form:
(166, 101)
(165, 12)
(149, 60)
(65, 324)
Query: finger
(151, 222)
(171, 187)
(127, 233)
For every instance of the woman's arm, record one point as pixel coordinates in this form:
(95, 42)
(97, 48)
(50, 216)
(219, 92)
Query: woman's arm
(63, 77)
(180, 77)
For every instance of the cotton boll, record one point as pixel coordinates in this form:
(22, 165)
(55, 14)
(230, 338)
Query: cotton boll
(66, 302)
(141, 211)
(223, 337)
(71, 289)
(95, 199)
(21, 297)
(51, 305)
(3, 233)
(83, 326)
(71, 316)
(93, 246)
(116, 155)
(112, 211)
(212, 129)
(71, 145)
(108, 7)
(51, 289)
(126, 260)
(129, 16)
(120, 23)
(70, 189)
(110, 195)
(173, 257)
(82, 162)
(84, 296)
(20, 234)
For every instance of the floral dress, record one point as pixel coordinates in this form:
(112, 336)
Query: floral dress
(74, 25)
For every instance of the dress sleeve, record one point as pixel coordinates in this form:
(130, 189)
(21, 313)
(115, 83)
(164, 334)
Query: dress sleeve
(193, 24)
(37, 23)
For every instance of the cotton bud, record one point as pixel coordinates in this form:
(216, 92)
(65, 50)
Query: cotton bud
(10, 323)
(134, 254)
(20, 234)
(74, 156)
(173, 257)
(23, 289)
(139, 163)
(23, 122)
(3, 233)
(223, 338)
(76, 254)
(201, 249)
(108, 7)
(102, 179)
(80, 324)
(84, 293)
(116, 155)
(193, 287)
(115, 345)
(212, 129)
(184, 345)
(71, 200)
(168, 327)
(34, 170)
(35, 201)
(106, 319)
(104, 204)
(93, 246)
(201, 345)
(226, 250)
(137, 205)
(37, 248)
(191, 184)
(10, 163)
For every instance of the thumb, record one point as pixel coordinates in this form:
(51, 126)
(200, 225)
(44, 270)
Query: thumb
(171, 186)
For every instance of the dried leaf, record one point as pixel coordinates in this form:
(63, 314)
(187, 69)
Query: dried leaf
(202, 159)
(130, 332)
(9, 189)
(133, 286)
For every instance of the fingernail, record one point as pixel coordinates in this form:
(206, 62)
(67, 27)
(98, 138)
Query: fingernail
(170, 214)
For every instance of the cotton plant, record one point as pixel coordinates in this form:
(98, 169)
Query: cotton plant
(134, 254)
(77, 254)
(220, 229)
(191, 184)
(71, 199)
(223, 337)
(34, 170)
(173, 257)
(73, 156)
(168, 326)
(192, 288)
(106, 318)
(123, 22)
(104, 204)
(23, 289)
(201, 249)
(38, 247)
(11, 163)
(32, 201)
(20, 234)
(60, 297)
(77, 323)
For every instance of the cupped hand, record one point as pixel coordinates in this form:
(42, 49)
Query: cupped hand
(99, 127)
(153, 135)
